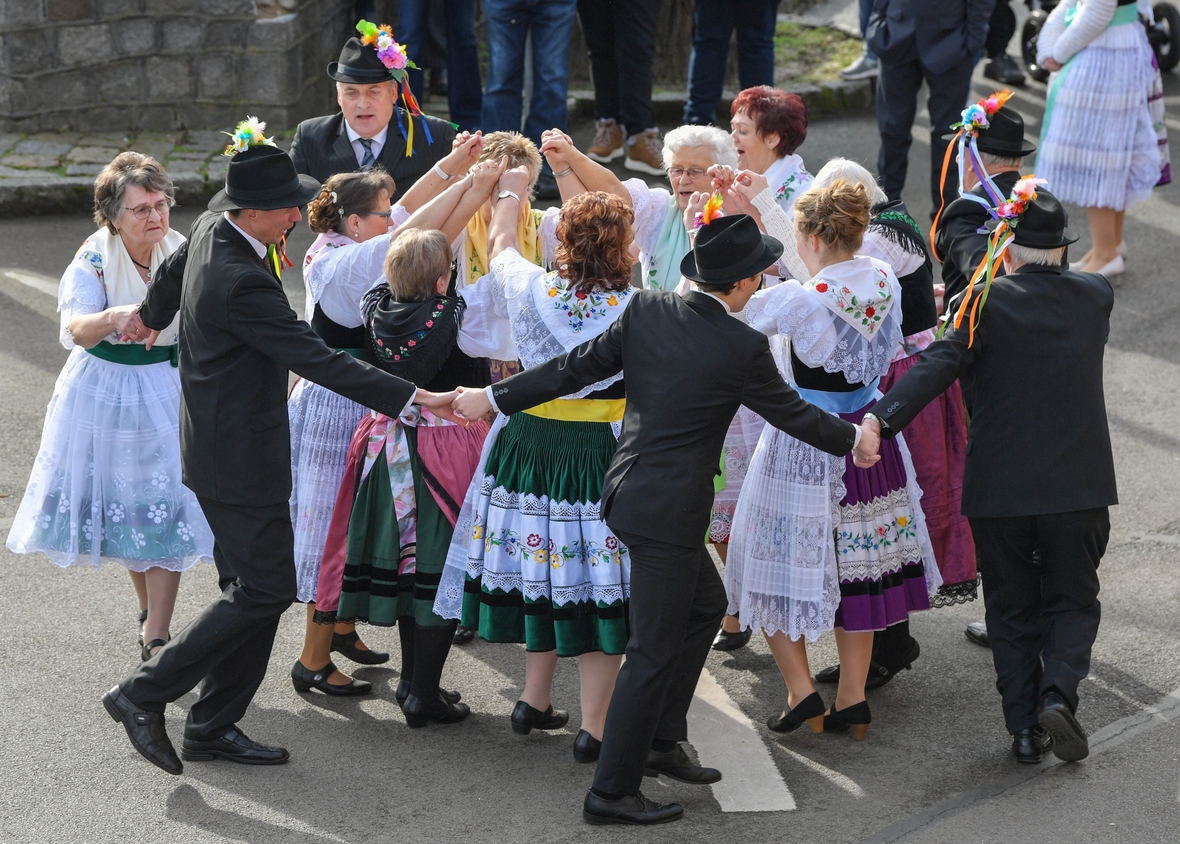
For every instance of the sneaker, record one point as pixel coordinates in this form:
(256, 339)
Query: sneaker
(645, 153)
(608, 141)
(866, 67)
(1003, 68)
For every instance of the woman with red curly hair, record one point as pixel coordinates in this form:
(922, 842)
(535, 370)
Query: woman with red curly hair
(532, 560)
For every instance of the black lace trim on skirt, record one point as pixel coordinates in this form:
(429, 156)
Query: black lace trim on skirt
(950, 594)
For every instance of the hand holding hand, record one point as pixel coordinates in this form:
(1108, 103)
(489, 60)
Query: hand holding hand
(471, 404)
(486, 175)
(722, 176)
(749, 184)
(465, 150)
(1051, 64)
(517, 180)
(939, 295)
(125, 321)
(867, 452)
(557, 148)
(438, 403)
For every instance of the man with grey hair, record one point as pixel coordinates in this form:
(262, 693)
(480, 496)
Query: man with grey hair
(369, 130)
(1039, 474)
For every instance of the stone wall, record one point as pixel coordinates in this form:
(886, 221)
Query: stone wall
(155, 65)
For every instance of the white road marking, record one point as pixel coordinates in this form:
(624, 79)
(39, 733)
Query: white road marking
(34, 280)
(226, 801)
(726, 739)
(1119, 693)
(835, 777)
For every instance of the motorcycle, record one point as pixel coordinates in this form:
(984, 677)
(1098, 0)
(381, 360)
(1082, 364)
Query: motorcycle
(1163, 35)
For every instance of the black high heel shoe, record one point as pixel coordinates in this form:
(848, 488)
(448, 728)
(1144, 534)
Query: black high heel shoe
(402, 694)
(304, 680)
(586, 748)
(345, 644)
(525, 719)
(810, 711)
(441, 711)
(854, 719)
(145, 653)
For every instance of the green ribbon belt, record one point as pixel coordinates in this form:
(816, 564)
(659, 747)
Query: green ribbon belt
(135, 354)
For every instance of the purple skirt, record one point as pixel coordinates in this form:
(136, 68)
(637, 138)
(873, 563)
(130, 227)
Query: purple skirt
(879, 555)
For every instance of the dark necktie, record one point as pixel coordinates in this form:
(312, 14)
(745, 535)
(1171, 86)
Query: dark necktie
(368, 161)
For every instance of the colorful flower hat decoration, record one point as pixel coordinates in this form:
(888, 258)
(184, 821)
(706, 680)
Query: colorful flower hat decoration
(393, 56)
(1008, 215)
(974, 118)
(248, 133)
(711, 211)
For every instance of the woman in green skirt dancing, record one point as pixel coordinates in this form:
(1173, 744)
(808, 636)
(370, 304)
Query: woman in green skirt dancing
(532, 560)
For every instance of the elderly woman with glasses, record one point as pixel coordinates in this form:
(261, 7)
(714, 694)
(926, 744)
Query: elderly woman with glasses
(106, 485)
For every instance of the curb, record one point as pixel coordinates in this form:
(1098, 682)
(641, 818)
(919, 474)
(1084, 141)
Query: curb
(66, 195)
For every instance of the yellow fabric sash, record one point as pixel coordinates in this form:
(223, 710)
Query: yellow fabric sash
(528, 243)
(581, 410)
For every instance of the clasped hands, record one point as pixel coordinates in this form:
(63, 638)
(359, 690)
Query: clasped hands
(462, 406)
(867, 451)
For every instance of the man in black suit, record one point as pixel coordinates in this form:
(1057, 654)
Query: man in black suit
(369, 129)
(688, 365)
(1039, 476)
(238, 339)
(936, 41)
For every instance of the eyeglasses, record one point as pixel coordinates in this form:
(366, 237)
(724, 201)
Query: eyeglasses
(675, 173)
(142, 212)
(385, 214)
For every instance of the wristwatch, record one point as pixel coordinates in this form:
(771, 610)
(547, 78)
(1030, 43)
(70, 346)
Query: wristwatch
(504, 194)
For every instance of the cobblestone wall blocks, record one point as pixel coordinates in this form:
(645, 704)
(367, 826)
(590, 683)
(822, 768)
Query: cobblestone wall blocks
(113, 9)
(281, 33)
(230, 34)
(28, 52)
(216, 77)
(58, 90)
(271, 78)
(135, 36)
(21, 12)
(168, 79)
(84, 45)
(119, 83)
(181, 34)
(70, 10)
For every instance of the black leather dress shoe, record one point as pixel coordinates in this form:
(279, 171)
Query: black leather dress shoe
(831, 674)
(1069, 739)
(676, 764)
(402, 694)
(234, 746)
(586, 748)
(726, 641)
(439, 711)
(1029, 746)
(634, 809)
(977, 632)
(463, 635)
(879, 674)
(304, 680)
(145, 729)
(346, 644)
(525, 719)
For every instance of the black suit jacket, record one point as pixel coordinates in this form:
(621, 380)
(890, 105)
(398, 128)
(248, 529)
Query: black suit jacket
(1039, 441)
(238, 339)
(689, 365)
(960, 244)
(939, 33)
(321, 149)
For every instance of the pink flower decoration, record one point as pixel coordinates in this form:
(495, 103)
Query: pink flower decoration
(412, 343)
(430, 323)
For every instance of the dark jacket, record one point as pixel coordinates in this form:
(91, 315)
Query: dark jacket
(689, 365)
(958, 239)
(939, 33)
(238, 339)
(321, 149)
(1038, 442)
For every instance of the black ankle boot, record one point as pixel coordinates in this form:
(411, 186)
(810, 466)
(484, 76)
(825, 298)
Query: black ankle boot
(431, 646)
(405, 635)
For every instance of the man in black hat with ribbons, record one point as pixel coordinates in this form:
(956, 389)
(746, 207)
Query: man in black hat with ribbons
(370, 129)
(238, 339)
(688, 366)
(960, 237)
(1039, 476)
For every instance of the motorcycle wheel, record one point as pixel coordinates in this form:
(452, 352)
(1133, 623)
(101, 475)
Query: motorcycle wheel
(1167, 48)
(1028, 45)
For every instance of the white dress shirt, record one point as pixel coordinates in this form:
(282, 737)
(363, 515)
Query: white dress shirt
(358, 148)
(258, 245)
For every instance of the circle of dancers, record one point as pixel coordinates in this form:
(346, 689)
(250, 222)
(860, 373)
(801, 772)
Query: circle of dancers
(529, 425)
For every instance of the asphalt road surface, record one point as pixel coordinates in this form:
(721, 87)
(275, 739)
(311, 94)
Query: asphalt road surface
(934, 768)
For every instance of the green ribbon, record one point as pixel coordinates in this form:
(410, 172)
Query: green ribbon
(135, 354)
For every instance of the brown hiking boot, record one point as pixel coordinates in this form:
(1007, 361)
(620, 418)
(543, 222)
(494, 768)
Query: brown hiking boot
(608, 141)
(645, 153)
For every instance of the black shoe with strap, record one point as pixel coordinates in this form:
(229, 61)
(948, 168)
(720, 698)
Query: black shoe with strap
(304, 680)
(631, 809)
(879, 674)
(145, 653)
(525, 718)
(139, 627)
(346, 644)
(145, 729)
(235, 746)
(676, 764)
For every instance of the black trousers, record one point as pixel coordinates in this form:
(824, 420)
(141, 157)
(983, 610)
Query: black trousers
(621, 40)
(228, 645)
(897, 103)
(677, 603)
(1042, 619)
(1000, 29)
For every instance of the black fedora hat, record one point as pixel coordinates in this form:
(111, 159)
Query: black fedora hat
(1004, 135)
(358, 65)
(728, 250)
(1043, 224)
(263, 178)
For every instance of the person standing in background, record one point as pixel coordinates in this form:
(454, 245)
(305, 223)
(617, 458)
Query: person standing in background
(866, 66)
(713, 21)
(511, 23)
(624, 121)
(461, 62)
(1000, 29)
(935, 41)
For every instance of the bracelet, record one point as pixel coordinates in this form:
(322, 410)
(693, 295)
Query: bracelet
(441, 173)
(563, 173)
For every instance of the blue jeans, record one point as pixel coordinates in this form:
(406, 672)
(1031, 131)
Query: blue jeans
(510, 23)
(713, 22)
(866, 9)
(463, 86)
